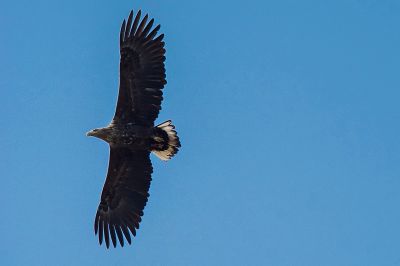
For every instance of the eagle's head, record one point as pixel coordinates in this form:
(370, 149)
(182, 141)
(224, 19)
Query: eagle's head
(101, 133)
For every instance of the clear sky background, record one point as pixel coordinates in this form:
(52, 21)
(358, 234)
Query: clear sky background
(288, 112)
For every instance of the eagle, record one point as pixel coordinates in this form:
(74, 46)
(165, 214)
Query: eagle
(131, 135)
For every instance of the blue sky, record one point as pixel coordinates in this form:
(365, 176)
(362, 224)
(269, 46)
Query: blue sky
(289, 119)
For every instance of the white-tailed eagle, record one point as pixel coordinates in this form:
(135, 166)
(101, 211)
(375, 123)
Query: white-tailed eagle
(131, 134)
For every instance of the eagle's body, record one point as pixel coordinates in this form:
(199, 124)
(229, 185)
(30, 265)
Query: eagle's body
(131, 134)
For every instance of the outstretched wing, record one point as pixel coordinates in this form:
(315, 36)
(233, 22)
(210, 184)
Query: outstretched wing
(142, 71)
(124, 195)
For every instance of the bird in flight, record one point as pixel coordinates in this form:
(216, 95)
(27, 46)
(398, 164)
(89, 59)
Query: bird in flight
(131, 134)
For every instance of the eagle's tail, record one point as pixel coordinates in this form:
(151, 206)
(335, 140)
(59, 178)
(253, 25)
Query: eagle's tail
(166, 141)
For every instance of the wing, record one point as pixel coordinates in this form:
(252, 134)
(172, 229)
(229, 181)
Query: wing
(142, 72)
(124, 195)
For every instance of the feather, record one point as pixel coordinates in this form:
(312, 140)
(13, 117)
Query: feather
(132, 229)
(101, 232)
(128, 25)
(126, 233)
(153, 32)
(122, 33)
(106, 237)
(141, 26)
(96, 224)
(112, 234)
(135, 23)
(119, 234)
(147, 28)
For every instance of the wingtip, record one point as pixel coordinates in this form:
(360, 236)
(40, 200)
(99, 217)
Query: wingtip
(96, 224)
(138, 14)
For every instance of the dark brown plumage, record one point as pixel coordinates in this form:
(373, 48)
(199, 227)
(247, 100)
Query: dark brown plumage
(131, 134)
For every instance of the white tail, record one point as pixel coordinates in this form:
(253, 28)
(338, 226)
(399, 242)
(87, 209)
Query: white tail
(173, 141)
